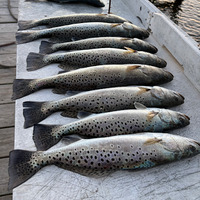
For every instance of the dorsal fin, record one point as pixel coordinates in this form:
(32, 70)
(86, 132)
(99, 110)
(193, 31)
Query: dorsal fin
(151, 115)
(139, 106)
(129, 50)
(152, 141)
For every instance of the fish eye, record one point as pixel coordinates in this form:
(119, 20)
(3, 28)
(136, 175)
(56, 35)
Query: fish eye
(192, 148)
(181, 120)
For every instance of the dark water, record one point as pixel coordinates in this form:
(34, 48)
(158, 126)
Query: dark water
(185, 13)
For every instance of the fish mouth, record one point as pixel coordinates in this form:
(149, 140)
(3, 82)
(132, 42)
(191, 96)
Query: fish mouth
(168, 75)
(198, 143)
(186, 117)
(181, 96)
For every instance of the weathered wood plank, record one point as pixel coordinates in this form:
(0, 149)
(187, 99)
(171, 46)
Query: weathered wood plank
(5, 15)
(11, 49)
(8, 28)
(13, 3)
(7, 197)
(7, 115)
(6, 141)
(4, 176)
(5, 94)
(8, 59)
(7, 75)
(7, 37)
(5, 11)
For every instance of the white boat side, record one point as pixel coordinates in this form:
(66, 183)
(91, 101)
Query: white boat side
(178, 180)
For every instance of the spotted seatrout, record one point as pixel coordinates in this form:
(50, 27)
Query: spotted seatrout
(96, 77)
(92, 57)
(35, 112)
(71, 19)
(97, 157)
(96, 3)
(101, 42)
(110, 124)
(82, 31)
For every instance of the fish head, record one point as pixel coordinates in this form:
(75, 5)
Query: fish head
(170, 97)
(182, 147)
(131, 28)
(173, 119)
(157, 75)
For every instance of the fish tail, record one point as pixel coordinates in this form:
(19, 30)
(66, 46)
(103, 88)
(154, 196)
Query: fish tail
(23, 25)
(21, 88)
(34, 112)
(24, 37)
(35, 61)
(46, 47)
(44, 136)
(20, 168)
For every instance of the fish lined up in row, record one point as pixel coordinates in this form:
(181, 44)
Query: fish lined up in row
(97, 157)
(71, 19)
(83, 31)
(96, 3)
(110, 124)
(93, 57)
(100, 42)
(96, 77)
(34, 112)
(102, 155)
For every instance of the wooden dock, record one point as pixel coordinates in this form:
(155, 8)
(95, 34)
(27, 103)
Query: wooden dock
(8, 27)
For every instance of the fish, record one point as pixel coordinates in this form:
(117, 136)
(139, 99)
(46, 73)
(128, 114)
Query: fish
(96, 3)
(110, 124)
(85, 58)
(82, 31)
(101, 156)
(96, 77)
(35, 112)
(71, 19)
(100, 42)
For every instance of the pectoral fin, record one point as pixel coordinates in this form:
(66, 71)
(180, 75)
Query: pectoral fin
(151, 115)
(132, 67)
(114, 25)
(152, 141)
(143, 90)
(129, 50)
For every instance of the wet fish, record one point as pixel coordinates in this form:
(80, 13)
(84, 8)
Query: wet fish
(92, 57)
(110, 124)
(96, 77)
(96, 3)
(101, 42)
(71, 19)
(100, 156)
(82, 31)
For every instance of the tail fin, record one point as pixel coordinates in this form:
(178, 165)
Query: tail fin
(21, 88)
(44, 137)
(20, 168)
(23, 25)
(24, 37)
(46, 47)
(35, 61)
(34, 113)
